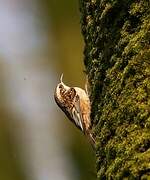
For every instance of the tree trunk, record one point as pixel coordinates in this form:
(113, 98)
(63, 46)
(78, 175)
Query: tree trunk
(117, 62)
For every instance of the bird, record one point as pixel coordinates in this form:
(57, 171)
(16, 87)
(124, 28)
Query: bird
(75, 103)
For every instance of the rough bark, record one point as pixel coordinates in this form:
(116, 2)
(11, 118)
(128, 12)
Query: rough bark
(117, 62)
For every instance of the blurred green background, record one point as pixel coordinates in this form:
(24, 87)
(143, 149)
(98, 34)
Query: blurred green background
(39, 40)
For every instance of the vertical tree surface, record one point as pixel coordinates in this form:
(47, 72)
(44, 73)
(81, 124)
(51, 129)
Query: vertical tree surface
(117, 62)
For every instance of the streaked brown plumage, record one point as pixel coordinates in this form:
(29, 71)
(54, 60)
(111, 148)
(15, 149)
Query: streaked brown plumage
(75, 103)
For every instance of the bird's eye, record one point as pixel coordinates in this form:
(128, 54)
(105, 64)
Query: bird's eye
(60, 86)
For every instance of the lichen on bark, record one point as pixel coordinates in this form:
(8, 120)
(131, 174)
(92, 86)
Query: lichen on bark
(117, 62)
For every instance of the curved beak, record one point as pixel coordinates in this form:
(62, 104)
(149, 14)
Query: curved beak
(61, 77)
(61, 81)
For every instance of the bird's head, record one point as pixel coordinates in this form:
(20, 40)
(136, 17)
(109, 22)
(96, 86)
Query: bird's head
(60, 90)
(63, 93)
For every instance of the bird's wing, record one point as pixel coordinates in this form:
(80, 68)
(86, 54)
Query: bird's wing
(77, 115)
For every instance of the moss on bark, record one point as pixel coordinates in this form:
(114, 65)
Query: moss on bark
(117, 61)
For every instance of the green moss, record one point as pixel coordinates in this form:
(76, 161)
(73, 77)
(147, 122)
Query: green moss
(117, 61)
